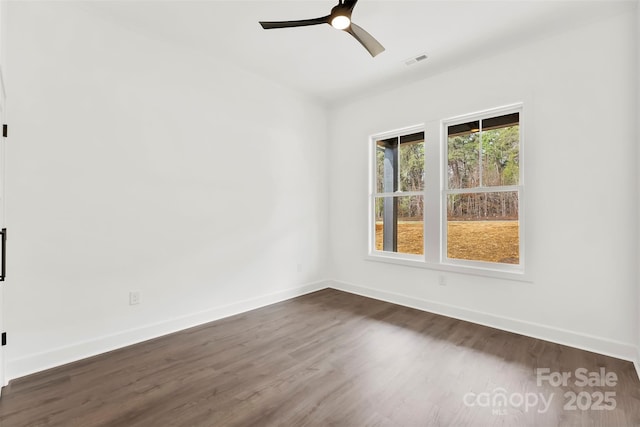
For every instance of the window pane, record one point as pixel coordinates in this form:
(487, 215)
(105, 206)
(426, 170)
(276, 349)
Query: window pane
(379, 167)
(463, 151)
(484, 227)
(501, 121)
(501, 155)
(385, 223)
(387, 165)
(399, 224)
(412, 162)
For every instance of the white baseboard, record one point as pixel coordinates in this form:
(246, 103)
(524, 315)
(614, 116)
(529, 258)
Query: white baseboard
(636, 362)
(56, 357)
(591, 343)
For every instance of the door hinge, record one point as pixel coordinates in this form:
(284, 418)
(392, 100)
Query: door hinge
(5, 130)
(4, 338)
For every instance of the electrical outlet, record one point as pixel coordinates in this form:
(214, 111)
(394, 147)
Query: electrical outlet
(134, 297)
(299, 267)
(442, 280)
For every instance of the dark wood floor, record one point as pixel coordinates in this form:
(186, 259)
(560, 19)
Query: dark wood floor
(328, 358)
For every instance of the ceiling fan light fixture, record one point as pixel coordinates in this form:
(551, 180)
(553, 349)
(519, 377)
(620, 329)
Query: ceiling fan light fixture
(340, 22)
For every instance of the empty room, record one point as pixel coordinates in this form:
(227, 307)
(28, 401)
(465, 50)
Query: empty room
(320, 212)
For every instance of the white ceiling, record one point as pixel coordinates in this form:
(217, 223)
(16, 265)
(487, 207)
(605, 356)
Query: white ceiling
(329, 64)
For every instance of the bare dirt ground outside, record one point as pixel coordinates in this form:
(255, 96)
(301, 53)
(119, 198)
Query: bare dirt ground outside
(491, 241)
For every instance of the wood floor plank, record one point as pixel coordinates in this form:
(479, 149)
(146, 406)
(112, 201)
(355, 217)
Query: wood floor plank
(324, 359)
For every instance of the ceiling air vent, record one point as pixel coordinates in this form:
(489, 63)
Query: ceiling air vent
(415, 59)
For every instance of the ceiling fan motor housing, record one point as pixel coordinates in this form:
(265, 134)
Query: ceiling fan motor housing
(340, 10)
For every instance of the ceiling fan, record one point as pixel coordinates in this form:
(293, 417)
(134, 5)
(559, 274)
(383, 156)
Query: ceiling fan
(339, 18)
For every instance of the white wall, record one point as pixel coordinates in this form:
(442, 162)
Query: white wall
(581, 188)
(141, 165)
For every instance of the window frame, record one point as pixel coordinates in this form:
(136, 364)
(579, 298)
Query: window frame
(435, 192)
(445, 191)
(373, 194)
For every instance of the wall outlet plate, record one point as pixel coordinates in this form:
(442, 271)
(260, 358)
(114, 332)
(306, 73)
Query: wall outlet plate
(442, 280)
(134, 297)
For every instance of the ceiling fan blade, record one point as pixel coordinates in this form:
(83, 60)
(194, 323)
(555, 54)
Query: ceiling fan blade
(350, 4)
(288, 24)
(371, 44)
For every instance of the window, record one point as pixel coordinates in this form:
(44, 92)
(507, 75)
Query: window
(399, 197)
(464, 215)
(482, 189)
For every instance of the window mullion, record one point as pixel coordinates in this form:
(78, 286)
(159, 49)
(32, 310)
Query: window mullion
(476, 190)
(400, 194)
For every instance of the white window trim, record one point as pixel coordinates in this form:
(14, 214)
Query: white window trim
(434, 257)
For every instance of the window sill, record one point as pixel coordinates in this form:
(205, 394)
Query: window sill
(519, 276)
